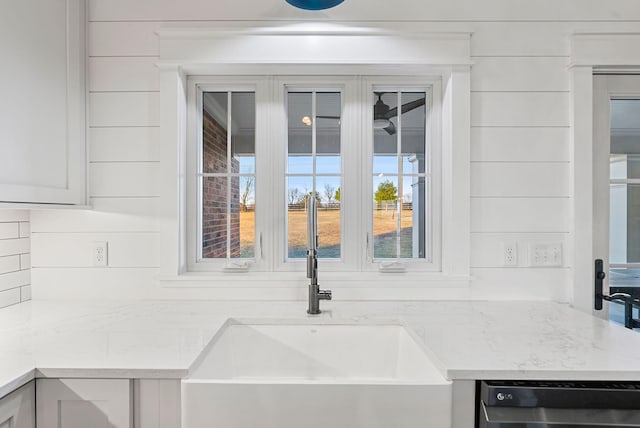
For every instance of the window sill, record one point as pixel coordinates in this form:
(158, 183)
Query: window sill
(327, 279)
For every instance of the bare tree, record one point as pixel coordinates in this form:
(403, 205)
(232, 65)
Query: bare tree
(248, 190)
(329, 193)
(295, 196)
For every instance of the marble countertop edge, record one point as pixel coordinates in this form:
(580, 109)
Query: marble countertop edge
(11, 384)
(467, 340)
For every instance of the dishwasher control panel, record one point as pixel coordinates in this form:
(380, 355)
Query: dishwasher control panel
(558, 404)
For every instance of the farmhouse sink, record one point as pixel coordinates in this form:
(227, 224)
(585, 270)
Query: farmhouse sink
(283, 374)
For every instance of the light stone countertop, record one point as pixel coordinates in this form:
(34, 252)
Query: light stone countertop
(161, 339)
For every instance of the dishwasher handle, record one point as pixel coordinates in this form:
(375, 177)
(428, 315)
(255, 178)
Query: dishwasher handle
(548, 416)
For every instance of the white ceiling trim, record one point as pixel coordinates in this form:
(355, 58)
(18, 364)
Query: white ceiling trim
(195, 49)
(611, 51)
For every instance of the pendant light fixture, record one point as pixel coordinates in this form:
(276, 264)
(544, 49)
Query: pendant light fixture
(314, 4)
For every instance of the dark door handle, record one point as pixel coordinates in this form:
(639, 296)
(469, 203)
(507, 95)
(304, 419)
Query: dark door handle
(627, 300)
(599, 284)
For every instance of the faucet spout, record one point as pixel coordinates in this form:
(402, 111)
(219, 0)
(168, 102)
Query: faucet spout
(315, 294)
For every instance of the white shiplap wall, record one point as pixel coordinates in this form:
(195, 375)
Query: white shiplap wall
(520, 134)
(15, 257)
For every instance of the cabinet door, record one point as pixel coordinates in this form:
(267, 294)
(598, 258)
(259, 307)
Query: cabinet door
(17, 410)
(157, 403)
(42, 106)
(82, 403)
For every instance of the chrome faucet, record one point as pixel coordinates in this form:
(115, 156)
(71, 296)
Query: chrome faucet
(315, 294)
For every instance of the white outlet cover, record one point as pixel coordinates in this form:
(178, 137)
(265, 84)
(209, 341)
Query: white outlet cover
(510, 253)
(100, 254)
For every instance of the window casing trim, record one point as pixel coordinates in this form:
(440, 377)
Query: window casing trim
(445, 55)
(271, 154)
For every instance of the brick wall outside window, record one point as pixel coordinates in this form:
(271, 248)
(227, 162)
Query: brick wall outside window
(214, 197)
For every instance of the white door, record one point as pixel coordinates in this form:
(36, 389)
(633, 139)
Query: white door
(617, 185)
(82, 403)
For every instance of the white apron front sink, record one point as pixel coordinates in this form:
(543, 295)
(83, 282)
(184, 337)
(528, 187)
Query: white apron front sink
(280, 374)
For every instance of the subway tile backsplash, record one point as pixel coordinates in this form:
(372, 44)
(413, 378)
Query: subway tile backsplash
(15, 257)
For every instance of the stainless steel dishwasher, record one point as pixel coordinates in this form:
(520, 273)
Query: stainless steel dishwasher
(554, 404)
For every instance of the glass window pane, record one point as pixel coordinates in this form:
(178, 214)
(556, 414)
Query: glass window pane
(625, 123)
(385, 164)
(298, 190)
(214, 217)
(623, 280)
(328, 107)
(328, 217)
(243, 131)
(624, 166)
(309, 166)
(399, 224)
(413, 131)
(624, 223)
(624, 277)
(328, 164)
(618, 166)
(399, 215)
(385, 132)
(625, 138)
(300, 134)
(247, 216)
(214, 132)
(385, 217)
(412, 218)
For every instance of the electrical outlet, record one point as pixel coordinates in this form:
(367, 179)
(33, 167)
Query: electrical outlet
(545, 255)
(510, 253)
(100, 254)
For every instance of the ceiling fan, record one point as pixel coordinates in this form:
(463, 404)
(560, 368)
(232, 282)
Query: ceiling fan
(382, 113)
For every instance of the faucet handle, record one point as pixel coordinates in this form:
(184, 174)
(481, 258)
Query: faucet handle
(310, 264)
(324, 294)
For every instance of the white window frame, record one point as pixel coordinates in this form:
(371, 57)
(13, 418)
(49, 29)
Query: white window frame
(432, 86)
(356, 218)
(196, 52)
(196, 87)
(284, 86)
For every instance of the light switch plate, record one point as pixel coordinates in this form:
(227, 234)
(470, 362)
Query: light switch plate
(545, 255)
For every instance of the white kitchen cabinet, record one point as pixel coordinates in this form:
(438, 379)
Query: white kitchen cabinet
(17, 410)
(464, 404)
(157, 403)
(82, 403)
(42, 107)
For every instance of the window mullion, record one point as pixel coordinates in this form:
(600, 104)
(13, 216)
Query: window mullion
(229, 175)
(399, 160)
(313, 143)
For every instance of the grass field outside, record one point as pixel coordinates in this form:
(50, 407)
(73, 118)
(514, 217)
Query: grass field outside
(385, 236)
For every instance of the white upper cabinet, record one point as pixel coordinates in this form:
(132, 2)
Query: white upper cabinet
(42, 107)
